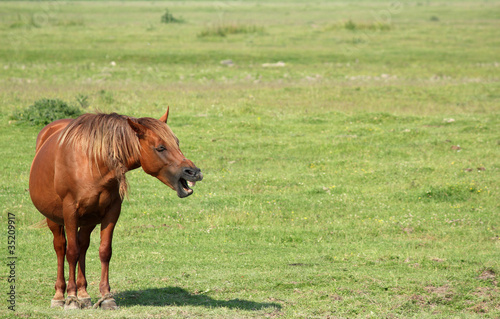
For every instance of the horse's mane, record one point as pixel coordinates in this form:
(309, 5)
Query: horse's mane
(109, 139)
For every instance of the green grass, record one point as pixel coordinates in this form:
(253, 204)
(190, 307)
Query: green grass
(335, 185)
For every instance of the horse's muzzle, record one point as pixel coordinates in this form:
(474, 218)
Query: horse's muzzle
(188, 178)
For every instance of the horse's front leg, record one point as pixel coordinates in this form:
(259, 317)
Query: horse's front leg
(107, 227)
(81, 281)
(60, 248)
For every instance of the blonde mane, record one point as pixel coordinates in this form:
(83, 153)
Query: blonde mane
(109, 139)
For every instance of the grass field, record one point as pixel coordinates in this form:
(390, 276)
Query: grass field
(351, 154)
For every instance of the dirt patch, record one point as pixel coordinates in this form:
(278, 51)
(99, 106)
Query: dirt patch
(408, 230)
(419, 300)
(444, 292)
(488, 296)
(301, 265)
(479, 308)
(486, 292)
(489, 275)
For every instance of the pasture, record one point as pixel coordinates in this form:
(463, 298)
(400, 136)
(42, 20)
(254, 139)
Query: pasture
(350, 152)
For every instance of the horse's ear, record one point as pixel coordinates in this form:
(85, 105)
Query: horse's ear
(139, 129)
(164, 118)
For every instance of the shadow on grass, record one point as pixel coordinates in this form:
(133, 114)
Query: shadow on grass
(175, 296)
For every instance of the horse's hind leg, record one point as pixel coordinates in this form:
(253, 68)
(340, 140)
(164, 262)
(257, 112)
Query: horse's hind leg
(60, 248)
(81, 281)
(72, 253)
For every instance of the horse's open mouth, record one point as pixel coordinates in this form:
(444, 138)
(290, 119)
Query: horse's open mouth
(188, 178)
(184, 189)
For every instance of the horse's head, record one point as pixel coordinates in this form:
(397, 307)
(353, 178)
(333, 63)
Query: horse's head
(161, 156)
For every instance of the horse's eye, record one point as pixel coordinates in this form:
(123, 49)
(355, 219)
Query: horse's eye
(161, 148)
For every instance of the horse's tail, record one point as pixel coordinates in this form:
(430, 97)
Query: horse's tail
(40, 224)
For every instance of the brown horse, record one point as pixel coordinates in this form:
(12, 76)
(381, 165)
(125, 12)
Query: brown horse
(77, 181)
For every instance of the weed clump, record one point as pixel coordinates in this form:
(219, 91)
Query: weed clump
(223, 30)
(350, 25)
(83, 100)
(45, 111)
(106, 96)
(450, 193)
(25, 22)
(167, 17)
(357, 26)
(372, 26)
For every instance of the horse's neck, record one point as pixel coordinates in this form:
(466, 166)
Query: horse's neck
(133, 165)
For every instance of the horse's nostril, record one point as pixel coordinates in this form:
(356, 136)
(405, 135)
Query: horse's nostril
(192, 173)
(189, 172)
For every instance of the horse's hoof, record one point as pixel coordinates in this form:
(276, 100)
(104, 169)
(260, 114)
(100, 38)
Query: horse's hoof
(71, 303)
(109, 304)
(85, 303)
(106, 303)
(56, 303)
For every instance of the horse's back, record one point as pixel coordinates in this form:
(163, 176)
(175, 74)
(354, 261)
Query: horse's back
(49, 130)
